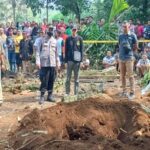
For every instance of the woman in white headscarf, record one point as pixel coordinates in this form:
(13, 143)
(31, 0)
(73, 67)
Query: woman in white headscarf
(2, 67)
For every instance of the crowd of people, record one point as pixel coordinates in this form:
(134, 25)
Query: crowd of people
(45, 48)
(48, 46)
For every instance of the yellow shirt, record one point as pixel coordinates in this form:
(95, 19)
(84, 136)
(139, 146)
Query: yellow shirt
(17, 40)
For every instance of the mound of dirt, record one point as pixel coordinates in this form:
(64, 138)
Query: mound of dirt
(91, 124)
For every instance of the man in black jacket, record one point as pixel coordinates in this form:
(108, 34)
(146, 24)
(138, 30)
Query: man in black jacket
(26, 51)
(73, 58)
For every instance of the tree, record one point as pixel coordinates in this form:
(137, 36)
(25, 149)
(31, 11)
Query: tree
(37, 5)
(141, 9)
(73, 6)
(65, 6)
(117, 7)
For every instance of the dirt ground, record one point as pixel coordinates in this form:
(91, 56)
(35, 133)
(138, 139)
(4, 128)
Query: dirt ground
(97, 123)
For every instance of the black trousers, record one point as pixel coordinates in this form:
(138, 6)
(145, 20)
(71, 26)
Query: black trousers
(47, 78)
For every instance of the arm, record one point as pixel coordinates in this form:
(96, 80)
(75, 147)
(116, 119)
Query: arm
(139, 64)
(57, 60)
(135, 43)
(8, 43)
(30, 48)
(66, 49)
(37, 56)
(63, 49)
(114, 62)
(81, 48)
(2, 57)
(20, 47)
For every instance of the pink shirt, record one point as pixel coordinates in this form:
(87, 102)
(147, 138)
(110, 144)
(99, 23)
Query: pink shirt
(139, 31)
(44, 27)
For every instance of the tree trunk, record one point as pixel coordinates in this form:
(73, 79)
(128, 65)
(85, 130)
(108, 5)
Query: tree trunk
(77, 12)
(14, 14)
(47, 10)
(78, 17)
(145, 9)
(14, 10)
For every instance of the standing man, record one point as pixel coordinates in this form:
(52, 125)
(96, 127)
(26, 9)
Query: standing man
(73, 58)
(127, 45)
(48, 62)
(26, 51)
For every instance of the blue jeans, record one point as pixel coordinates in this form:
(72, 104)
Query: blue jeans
(12, 60)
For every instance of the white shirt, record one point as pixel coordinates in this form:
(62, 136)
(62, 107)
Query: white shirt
(108, 60)
(143, 62)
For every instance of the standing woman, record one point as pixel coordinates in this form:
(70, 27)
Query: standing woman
(2, 64)
(11, 51)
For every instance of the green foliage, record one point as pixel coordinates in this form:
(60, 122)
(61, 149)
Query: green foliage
(35, 6)
(117, 8)
(109, 31)
(96, 52)
(91, 32)
(141, 9)
(73, 6)
(146, 79)
(57, 16)
(65, 6)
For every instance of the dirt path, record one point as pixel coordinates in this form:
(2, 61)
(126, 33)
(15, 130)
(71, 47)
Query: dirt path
(14, 109)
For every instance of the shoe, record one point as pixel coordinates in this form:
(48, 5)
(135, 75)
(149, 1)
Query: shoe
(124, 95)
(50, 98)
(41, 101)
(131, 96)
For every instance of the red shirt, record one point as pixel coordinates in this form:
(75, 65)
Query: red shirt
(44, 27)
(139, 31)
(61, 25)
(64, 37)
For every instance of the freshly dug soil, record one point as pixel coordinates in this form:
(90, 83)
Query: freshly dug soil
(93, 124)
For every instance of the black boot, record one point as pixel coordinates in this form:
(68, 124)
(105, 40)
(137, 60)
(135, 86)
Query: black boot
(41, 101)
(50, 97)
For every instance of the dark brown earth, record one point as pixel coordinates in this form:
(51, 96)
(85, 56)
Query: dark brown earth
(97, 123)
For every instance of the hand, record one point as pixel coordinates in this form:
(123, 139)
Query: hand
(58, 68)
(38, 66)
(3, 68)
